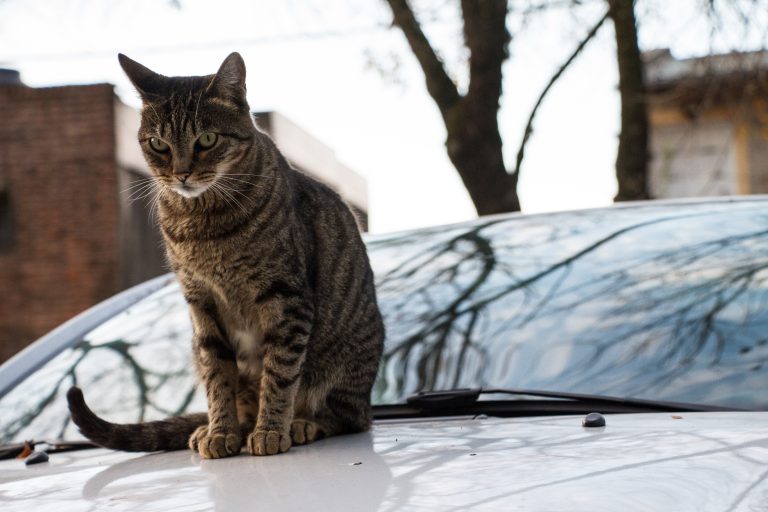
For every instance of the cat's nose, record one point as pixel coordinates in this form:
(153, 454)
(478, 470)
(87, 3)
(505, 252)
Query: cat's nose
(181, 175)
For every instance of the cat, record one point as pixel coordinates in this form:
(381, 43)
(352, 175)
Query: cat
(287, 330)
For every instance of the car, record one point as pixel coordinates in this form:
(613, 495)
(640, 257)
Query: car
(605, 359)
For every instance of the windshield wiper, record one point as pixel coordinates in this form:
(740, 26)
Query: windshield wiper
(465, 402)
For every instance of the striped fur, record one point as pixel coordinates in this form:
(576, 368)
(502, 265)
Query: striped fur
(287, 332)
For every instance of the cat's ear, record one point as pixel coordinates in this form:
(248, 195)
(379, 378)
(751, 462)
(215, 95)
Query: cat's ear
(229, 80)
(146, 81)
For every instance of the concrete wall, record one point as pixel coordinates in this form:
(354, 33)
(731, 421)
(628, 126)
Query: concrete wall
(308, 155)
(141, 245)
(693, 159)
(722, 151)
(141, 254)
(757, 148)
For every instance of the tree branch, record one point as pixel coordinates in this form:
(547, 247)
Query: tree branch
(439, 84)
(529, 126)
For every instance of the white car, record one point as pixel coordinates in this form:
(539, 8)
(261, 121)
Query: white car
(503, 334)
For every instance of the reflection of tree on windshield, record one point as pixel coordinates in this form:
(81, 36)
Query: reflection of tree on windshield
(709, 300)
(618, 308)
(472, 262)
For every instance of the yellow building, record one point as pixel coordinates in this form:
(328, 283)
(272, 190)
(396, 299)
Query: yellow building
(709, 124)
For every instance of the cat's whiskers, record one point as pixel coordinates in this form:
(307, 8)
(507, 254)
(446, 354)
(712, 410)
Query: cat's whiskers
(235, 191)
(227, 196)
(154, 206)
(235, 181)
(144, 191)
(238, 180)
(249, 174)
(219, 195)
(233, 186)
(230, 191)
(140, 181)
(143, 196)
(233, 202)
(131, 195)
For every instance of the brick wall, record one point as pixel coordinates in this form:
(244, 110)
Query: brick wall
(58, 178)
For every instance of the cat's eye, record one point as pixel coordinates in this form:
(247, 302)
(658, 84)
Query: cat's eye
(158, 145)
(207, 140)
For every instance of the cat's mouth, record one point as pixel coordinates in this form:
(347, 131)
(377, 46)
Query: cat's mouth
(189, 191)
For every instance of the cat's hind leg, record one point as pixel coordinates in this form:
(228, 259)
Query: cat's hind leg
(304, 431)
(345, 412)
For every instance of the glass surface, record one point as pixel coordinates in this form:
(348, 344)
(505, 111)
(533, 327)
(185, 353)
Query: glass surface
(665, 303)
(654, 302)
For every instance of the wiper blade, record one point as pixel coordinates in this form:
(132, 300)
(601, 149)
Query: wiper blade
(463, 402)
(450, 398)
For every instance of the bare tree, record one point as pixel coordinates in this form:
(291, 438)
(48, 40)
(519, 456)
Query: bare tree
(473, 142)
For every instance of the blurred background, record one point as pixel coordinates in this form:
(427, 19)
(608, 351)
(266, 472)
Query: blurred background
(418, 112)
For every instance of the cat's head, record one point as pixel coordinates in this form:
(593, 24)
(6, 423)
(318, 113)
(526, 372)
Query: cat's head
(194, 129)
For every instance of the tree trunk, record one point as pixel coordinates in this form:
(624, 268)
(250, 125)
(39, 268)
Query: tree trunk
(632, 157)
(473, 143)
(475, 148)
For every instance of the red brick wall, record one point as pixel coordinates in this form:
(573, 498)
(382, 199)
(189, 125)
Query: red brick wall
(57, 164)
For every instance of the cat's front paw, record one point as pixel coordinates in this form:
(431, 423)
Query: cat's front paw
(268, 442)
(214, 445)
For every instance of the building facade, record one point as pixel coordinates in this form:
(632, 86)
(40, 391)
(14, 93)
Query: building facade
(709, 124)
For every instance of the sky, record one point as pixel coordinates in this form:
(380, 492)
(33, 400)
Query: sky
(337, 69)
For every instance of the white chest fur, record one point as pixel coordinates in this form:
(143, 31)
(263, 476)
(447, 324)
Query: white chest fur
(247, 344)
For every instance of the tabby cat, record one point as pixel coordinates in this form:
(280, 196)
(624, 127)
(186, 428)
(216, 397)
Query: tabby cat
(287, 331)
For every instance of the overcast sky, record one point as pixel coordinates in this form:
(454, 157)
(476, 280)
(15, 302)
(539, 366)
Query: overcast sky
(310, 60)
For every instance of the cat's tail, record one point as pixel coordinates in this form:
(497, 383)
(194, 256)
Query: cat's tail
(168, 434)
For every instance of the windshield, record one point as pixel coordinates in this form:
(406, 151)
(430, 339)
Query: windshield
(653, 302)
